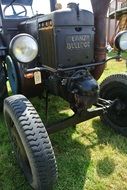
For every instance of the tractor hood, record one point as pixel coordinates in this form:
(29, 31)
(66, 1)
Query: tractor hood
(23, 2)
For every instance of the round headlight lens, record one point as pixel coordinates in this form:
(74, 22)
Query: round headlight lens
(24, 48)
(121, 41)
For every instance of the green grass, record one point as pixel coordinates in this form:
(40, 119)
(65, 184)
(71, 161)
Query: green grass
(90, 156)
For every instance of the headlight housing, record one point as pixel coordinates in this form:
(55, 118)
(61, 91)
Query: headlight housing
(121, 41)
(24, 48)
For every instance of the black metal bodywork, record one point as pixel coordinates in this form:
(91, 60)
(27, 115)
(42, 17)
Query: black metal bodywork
(71, 56)
(64, 44)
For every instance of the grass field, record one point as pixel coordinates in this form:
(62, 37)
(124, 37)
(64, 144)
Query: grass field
(90, 156)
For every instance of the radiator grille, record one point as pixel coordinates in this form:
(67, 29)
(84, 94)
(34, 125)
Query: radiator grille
(47, 46)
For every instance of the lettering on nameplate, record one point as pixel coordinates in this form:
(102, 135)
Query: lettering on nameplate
(74, 42)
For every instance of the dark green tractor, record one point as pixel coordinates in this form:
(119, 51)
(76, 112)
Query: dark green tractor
(61, 53)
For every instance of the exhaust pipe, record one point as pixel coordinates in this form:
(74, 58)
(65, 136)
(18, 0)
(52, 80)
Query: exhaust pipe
(100, 9)
(52, 5)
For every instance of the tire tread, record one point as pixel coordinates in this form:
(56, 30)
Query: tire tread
(36, 137)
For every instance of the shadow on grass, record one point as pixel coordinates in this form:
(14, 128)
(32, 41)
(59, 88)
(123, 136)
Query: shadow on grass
(105, 167)
(73, 160)
(107, 135)
(11, 177)
(73, 157)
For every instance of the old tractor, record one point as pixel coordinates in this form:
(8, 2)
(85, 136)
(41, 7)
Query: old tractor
(61, 53)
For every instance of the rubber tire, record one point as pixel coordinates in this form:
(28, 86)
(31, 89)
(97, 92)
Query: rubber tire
(3, 87)
(19, 112)
(111, 83)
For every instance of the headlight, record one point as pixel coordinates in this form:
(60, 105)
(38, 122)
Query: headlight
(24, 48)
(121, 41)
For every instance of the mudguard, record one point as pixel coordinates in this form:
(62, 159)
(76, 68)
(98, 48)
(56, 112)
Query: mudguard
(18, 82)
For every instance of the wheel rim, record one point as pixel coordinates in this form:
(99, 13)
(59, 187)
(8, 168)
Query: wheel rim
(20, 153)
(118, 112)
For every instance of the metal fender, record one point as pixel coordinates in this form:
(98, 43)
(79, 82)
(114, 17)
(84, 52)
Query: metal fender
(18, 82)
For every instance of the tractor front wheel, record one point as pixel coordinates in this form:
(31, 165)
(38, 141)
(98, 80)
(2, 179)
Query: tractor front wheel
(30, 142)
(114, 88)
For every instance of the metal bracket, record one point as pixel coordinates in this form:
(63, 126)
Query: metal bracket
(102, 107)
(74, 119)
